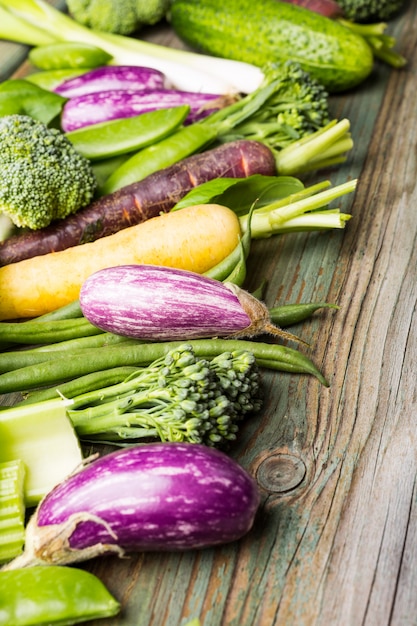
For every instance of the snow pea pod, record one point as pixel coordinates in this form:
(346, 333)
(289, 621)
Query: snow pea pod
(56, 594)
(71, 54)
(181, 144)
(116, 137)
(49, 79)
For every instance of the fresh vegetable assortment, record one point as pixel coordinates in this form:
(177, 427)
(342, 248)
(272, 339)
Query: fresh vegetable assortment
(37, 23)
(163, 240)
(178, 397)
(151, 337)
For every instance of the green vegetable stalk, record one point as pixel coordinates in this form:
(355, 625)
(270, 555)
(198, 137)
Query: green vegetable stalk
(44, 442)
(178, 397)
(12, 509)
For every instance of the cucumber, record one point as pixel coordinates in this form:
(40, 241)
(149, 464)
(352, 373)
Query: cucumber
(272, 31)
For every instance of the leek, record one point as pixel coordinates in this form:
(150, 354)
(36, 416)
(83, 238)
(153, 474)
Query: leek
(185, 70)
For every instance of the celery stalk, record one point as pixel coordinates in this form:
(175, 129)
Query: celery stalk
(46, 443)
(12, 509)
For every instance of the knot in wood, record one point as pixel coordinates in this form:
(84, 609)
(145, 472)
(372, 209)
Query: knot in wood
(281, 472)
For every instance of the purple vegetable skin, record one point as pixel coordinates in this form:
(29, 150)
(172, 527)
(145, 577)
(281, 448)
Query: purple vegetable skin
(95, 108)
(162, 304)
(112, 77)
(162, 496)
(152, 302)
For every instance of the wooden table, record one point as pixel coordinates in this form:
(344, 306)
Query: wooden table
(335, 541)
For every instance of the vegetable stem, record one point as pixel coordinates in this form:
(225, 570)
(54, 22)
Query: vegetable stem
(381, 44)
(306, 153)
(299, 211)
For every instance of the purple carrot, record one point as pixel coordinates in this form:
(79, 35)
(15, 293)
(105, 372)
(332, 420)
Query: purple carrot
(162, 496)
(135, 203)
(94, 108)
(112, 77)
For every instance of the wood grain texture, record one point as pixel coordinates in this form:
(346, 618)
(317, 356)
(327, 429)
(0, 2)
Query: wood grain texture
(334, 543)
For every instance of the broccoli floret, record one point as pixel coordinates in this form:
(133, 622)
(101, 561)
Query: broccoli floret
(43, 177)
(297, 108)
(371, 10)
(122, 17)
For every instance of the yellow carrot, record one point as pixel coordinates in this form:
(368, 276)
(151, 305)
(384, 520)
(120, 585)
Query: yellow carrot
(195, 238)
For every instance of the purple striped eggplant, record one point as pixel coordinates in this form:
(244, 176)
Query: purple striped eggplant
(112, 77)
(103, 106)
(162, 304)
(162, 496)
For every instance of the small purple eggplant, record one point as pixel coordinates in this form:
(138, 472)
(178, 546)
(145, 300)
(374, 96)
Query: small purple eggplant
(94, 108)
(112, 77)
(162, 304)
(162, 496)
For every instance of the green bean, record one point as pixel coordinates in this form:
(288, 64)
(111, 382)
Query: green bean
(80, 385)
(46, 331)
(289, 314)
(99, 340)
(53, 595)
(83, 362)
(13, 360)
(69, 311)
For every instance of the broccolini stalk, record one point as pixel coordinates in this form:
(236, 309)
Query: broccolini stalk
(12, 509)
(177, 398)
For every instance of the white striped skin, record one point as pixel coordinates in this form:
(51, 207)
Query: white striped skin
(160, 303)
